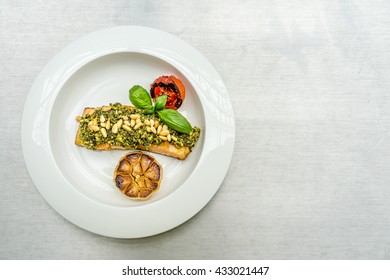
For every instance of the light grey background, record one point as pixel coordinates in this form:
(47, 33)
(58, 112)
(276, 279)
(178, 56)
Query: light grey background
(309, 82)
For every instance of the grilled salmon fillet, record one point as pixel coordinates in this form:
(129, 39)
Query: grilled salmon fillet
(120, 127)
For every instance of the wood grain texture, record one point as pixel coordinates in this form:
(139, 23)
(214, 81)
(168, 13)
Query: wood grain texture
(309, 84)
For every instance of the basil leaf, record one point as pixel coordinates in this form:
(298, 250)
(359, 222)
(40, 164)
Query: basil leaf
(175, 120)
(159, 102)
(140, 98)
(149, 111)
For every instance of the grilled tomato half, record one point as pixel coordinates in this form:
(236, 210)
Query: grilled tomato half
(170, 86)
(138, 175)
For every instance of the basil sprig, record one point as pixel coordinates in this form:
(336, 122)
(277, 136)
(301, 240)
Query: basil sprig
(140, 98)
(159, 102)
(175, 120)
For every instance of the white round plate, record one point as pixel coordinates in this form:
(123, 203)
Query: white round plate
(99, 69)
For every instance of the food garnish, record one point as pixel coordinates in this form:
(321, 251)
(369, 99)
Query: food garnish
(175, 120)
(140, 98)
(138, 175)
(170, 86)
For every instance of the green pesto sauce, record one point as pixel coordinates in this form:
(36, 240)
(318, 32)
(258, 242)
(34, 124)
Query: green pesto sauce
(130, 139)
